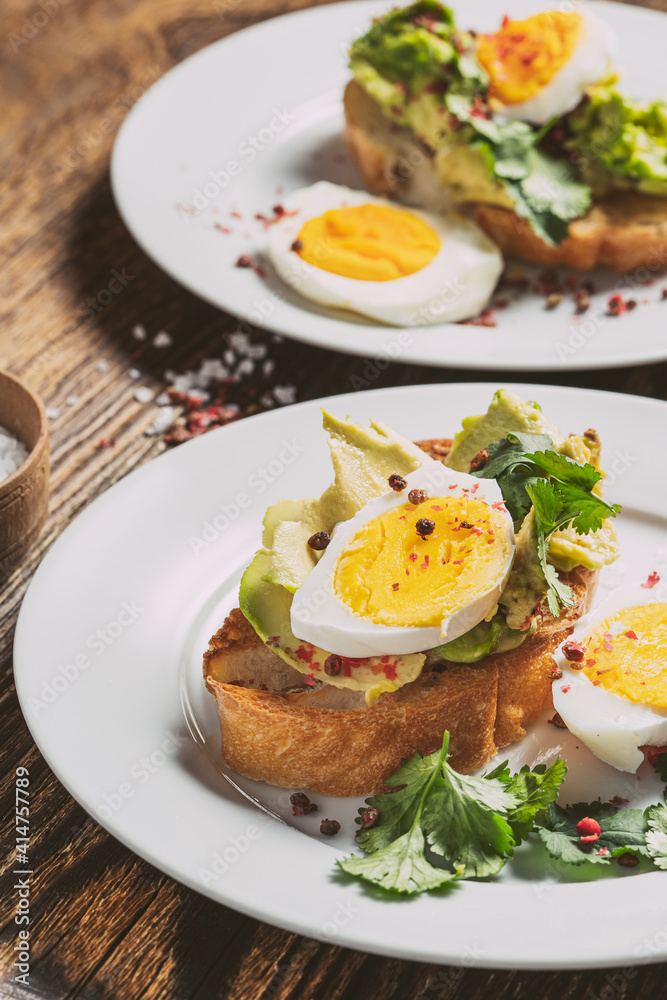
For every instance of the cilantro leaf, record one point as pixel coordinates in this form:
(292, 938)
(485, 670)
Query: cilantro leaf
(557, 829)
(396, 811)
(587, 511)
(621, 831)
(401, 864)
(544, 190)
(536, 789)
(660, 766)
(465, 822)
(548, 506)
(656, 838)
(565, 469)
(550, 187)
(531, 473)
(509, 462)
(550, 229)
(501, 772)
(625, 831)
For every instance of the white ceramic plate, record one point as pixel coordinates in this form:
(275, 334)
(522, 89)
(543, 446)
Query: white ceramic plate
(108, 671)
(259, 114)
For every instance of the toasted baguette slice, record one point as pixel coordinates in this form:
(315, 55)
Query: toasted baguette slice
(625, 232)
(276, 729)
(330, 741)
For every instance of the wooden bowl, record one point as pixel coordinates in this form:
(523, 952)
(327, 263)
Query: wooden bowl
(24, 496)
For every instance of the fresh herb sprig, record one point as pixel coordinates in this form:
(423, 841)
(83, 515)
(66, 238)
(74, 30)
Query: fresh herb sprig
(622, 831)
(544, 190)
(438, 825)
(531, 473)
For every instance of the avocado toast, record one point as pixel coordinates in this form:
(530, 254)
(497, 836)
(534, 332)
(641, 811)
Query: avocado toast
(584, 186)
(296, 715)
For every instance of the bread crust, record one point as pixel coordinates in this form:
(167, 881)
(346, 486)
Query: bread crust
(282, 739)
(292, 740)
(623, 232)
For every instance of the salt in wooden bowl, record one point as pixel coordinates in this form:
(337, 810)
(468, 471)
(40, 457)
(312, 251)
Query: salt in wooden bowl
(24, 495)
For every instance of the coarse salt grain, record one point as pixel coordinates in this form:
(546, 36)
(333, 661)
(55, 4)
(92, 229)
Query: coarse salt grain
(134, 374)
(162, 339)
(73, 400)
(163, 420)
(244, 367)
(285, 394)
(102, 366)
(256, 351)
(13, 453)
(229, 357)
(52, 412)
(139, 332)
(213, 368)
(268, 367)
(239, 341)
(144, 394)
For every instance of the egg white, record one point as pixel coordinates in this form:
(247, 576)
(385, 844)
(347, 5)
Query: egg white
(455, 285)
(587, 64)
(611, 726)
(319, 616)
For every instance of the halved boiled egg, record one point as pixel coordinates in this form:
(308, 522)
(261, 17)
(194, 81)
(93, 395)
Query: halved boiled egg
(539, 68)
(406, 574)
(347, 249)
(613, 695)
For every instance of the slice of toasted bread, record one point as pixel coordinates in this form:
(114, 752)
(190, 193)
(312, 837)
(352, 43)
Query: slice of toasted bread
(623, 232)
(277, 729)
(391, 161)
(330, 741)
(626, 233)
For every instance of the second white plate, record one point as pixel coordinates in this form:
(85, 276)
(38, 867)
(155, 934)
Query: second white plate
(224, 135)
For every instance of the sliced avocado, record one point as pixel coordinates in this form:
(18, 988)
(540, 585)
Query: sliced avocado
(567, 549)
(494, 636)
(284, 510)
(363, 459)
(527, 585)
(507, 413)
(620, 143)
(291, 557)
(267, 608)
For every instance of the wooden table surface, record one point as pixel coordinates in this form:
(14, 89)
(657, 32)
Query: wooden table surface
(105, 924)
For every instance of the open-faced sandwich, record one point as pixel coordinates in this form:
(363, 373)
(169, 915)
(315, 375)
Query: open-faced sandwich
(526, 127)
(425, 590)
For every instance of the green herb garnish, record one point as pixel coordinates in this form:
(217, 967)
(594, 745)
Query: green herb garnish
(437, 826)
(531, 474)
(622, 831)
(440, 825)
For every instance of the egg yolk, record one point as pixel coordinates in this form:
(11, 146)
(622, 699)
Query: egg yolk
(392, 575)
(524, 56)
(369, 242)
(627, 654)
